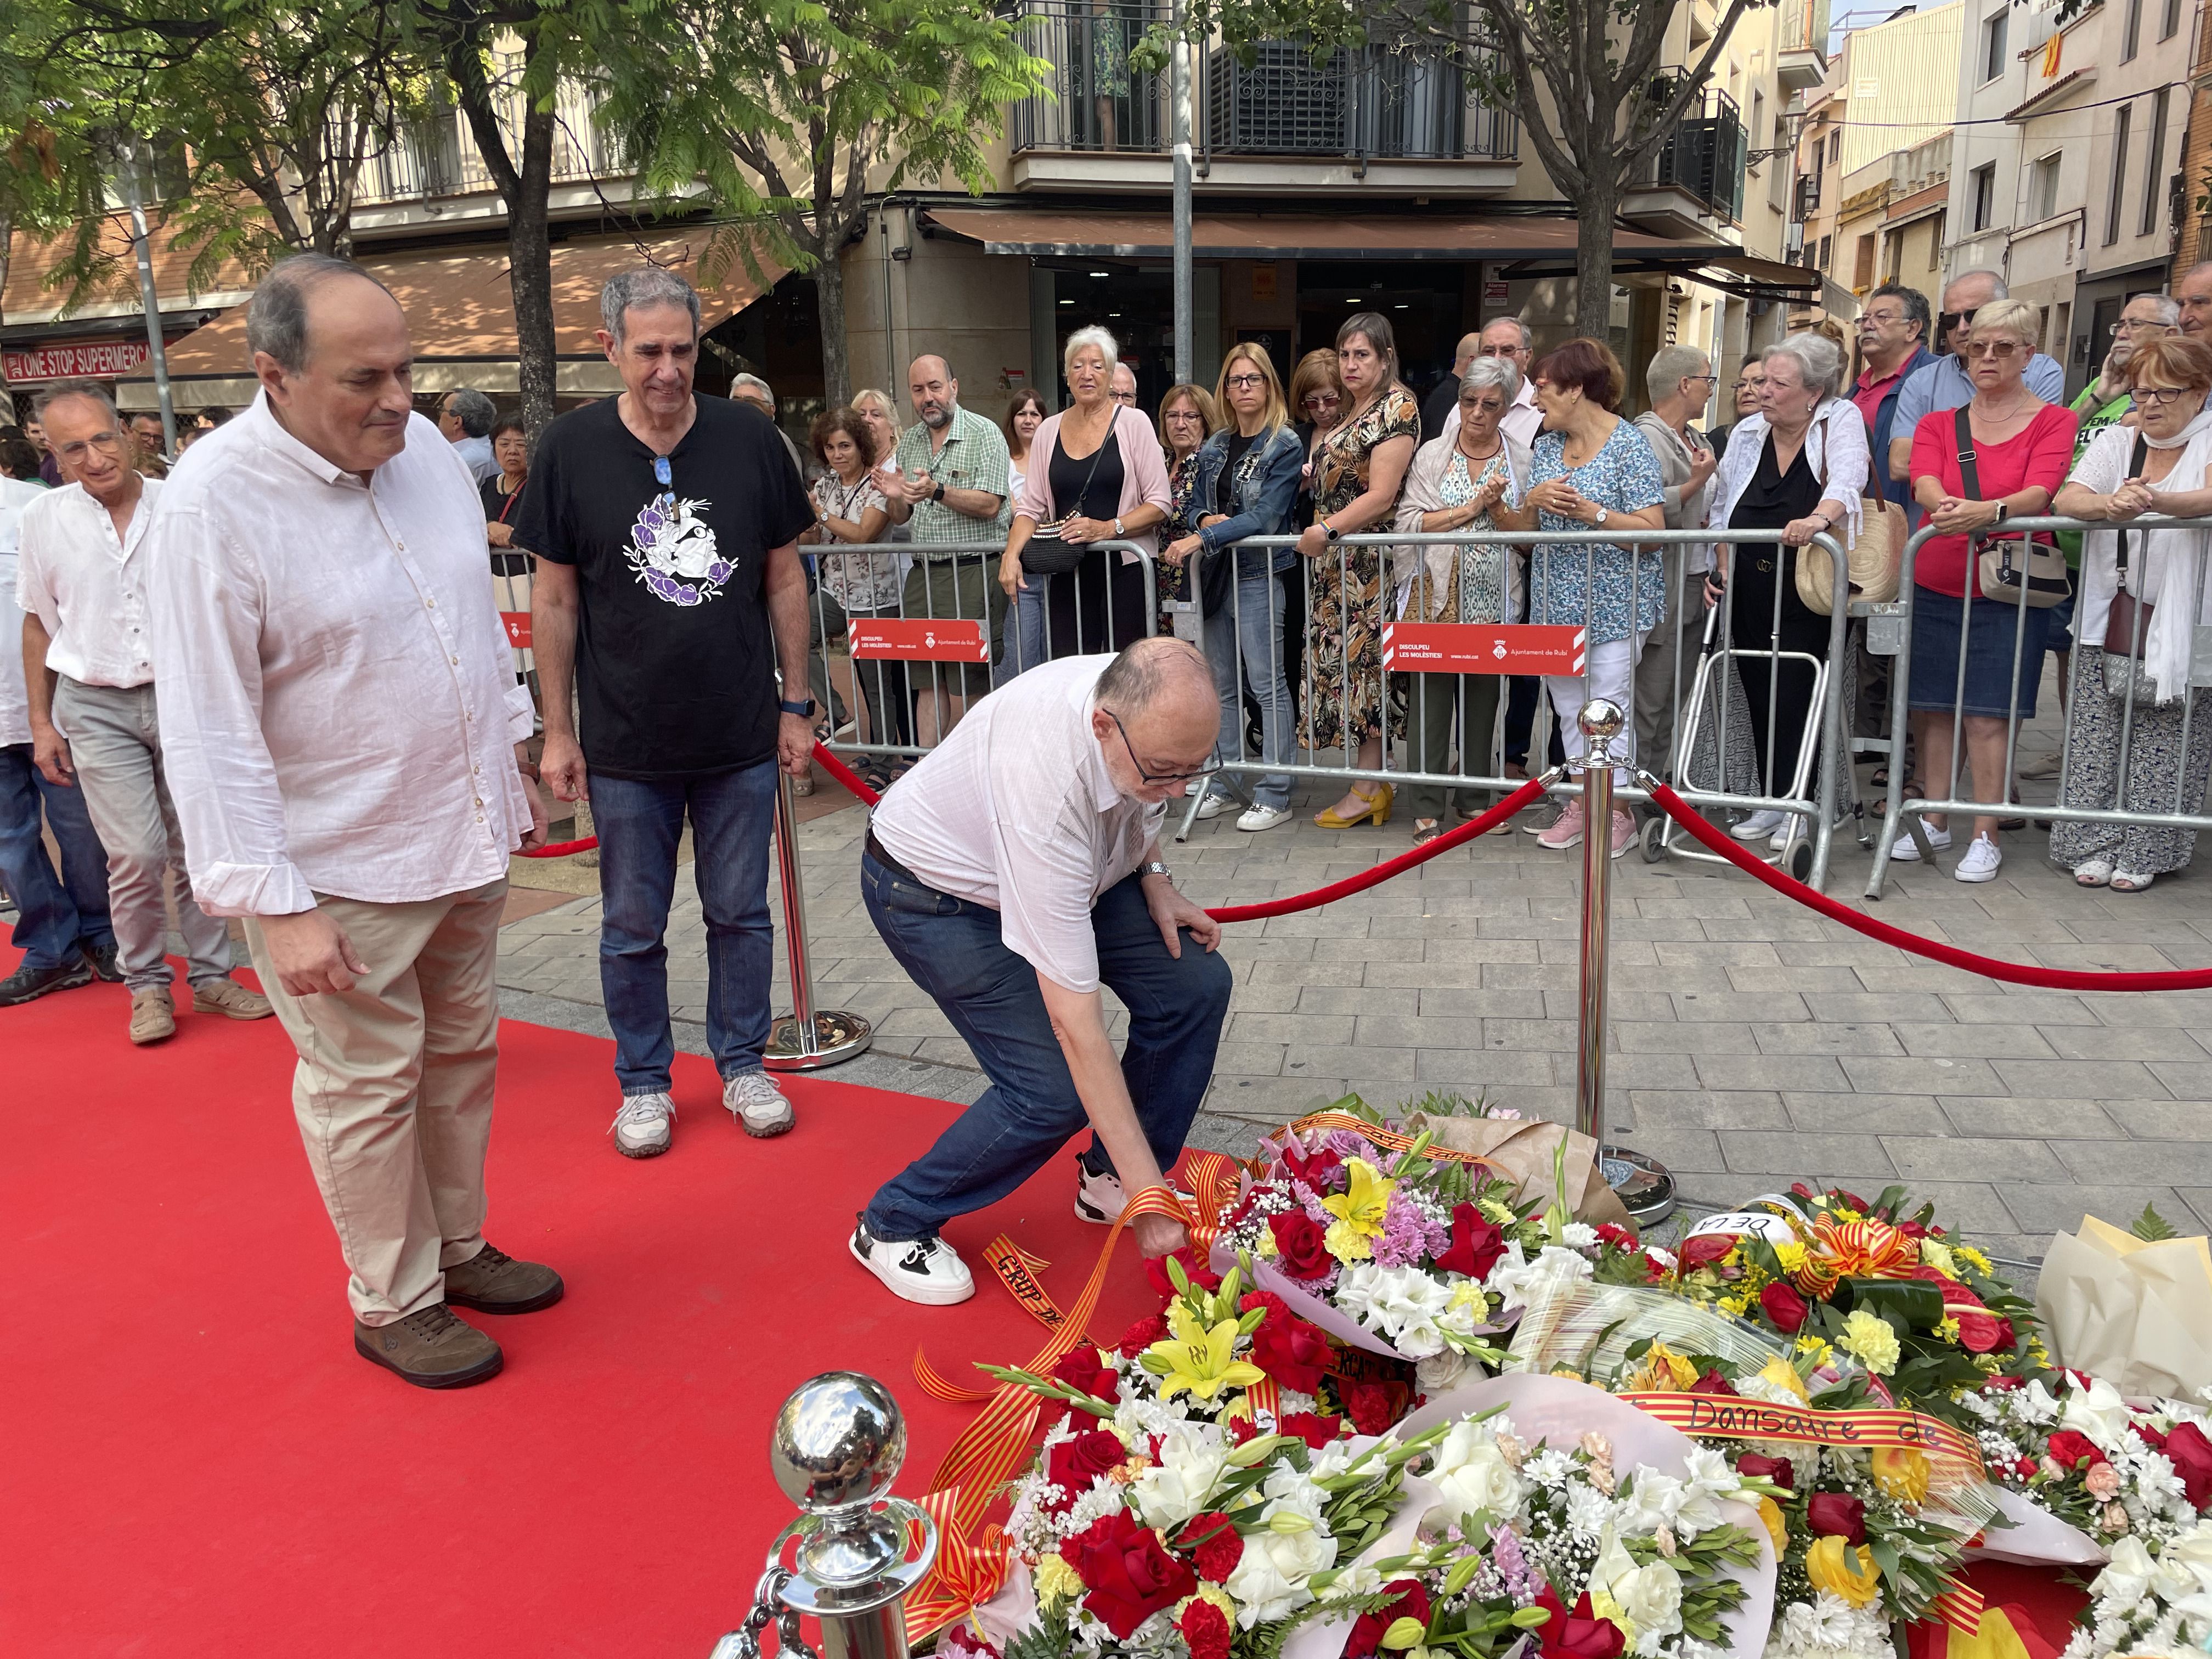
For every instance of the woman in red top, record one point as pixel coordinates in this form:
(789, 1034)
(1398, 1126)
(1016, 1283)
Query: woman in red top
(2022, 447)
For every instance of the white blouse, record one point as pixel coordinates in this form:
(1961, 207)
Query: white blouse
(1835, 449)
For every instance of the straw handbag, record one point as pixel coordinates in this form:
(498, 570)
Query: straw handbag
(1870, 561)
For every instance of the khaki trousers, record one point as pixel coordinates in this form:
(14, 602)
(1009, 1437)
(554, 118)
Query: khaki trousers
(394, 1089)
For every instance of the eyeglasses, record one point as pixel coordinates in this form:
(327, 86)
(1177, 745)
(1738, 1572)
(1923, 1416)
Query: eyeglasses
(2000, 350)
(2133, 325)
(1882, 317)
(108, 443)
(1245, 382)
(1205, 771)
(1323, 400)
(2160, 395)
(1125, 398)
(1715, 379)
(1945, 321)
(1183, 415)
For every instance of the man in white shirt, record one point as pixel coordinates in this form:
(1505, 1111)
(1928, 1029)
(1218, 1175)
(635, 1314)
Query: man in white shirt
(81, 580)
(1013, 872)
(1507, 337)
(61, 920)
(342, 721)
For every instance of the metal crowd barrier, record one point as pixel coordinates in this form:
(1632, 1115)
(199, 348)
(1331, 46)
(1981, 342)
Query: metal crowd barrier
(1890, 633)
(511, 574)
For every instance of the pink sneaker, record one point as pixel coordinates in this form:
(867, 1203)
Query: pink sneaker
(1624, 833)
(1566, 830)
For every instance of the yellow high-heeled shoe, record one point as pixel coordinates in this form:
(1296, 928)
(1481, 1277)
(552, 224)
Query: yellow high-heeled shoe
(1378, 808)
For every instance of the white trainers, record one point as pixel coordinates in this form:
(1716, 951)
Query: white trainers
(1758, 824)
(1254, 819)
(925, 1270)
(1100, 1198)
(1785, 832)
(1214, 805)
(1981, 860)
(759, 1104)
(644, 1127)
(1905, 853)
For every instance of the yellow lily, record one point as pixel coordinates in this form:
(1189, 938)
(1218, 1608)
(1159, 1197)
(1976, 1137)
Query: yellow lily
(1358, 1209)
(1198, 1357)
(1831, 1565)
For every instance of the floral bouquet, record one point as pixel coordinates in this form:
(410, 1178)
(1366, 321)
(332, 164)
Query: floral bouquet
(1927, 1316)
(1412, 1256)
(2154, 1595)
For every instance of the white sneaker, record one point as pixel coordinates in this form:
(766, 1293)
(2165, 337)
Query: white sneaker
(1758, 824)
(643, 1127)
(1980, 862)
(1099, 1198)
(1905, 853)
(1254, 819)
(2043, 766)
(1214, 805)
(925, 1270)
(1783, 835)
(759, 1104)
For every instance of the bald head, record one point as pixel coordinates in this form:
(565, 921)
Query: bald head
(331, 350)
(2194, 293)
(1470, 348)
(933, 391)
(1156, 716)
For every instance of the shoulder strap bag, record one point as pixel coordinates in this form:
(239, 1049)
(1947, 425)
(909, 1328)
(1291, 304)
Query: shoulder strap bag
(1870, 561)
(2127, 624)
(2014, 569)
(1046, 555)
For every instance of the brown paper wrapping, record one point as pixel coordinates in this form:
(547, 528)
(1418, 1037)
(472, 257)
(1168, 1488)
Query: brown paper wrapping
(1524, 1149)
(2139, 1314)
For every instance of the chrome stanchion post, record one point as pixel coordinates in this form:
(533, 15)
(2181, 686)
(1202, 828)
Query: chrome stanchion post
(837, 1447)
(1646, 1191)
(807, 1038)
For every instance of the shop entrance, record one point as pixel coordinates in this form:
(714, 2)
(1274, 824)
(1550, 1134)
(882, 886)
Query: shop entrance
(1430, 304)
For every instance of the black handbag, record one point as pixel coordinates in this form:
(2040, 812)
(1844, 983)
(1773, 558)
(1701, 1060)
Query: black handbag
(1045, 554)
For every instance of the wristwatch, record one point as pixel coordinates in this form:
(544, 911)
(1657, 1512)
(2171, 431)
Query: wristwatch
(937, 494)
(801, 709)
(1599, 522)
(1330, 531)
(1156, 868)
(1118, 531)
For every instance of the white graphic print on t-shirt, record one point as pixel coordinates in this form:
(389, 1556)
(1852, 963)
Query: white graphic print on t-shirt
(673, 551)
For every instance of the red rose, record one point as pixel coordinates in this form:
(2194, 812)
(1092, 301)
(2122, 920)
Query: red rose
(1073, 1465)
(1754, 1467)
(2191, 1455)
(1476, 1244)
(1299, 1251)
(1706, 1249)
(1214, 1545)
(1619, 1237)
(1141, 1336)
(1712, 1382)
(1580, 1634)
(1205, 1627)
(1084, 1369)
(1412, 1602)
(1837, 1514)
(1128, 1571)
(1310, 1427)
(1156, 1269)
(1784, 1307)
(1317, 1170)
(1372, 1406)
(1293, 1352)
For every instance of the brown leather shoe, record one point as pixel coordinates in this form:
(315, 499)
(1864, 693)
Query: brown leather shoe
(227, 996)
(494, 1282)
(430, 1349)
(153, 1015)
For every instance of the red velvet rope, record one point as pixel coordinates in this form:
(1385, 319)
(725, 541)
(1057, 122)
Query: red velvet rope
(561, 849)
(2051, 979)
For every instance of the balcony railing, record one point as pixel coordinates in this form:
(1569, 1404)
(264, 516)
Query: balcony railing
(437, 155)
(1802, 27)
(1363, 103)
(1705, 155)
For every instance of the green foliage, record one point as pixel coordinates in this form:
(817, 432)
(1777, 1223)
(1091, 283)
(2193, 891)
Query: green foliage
(2152, 1226)
(1044, 1638)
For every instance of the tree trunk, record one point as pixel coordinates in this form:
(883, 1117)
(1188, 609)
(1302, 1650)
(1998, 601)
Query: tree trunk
(829, 302)
(530, 271)
(1596, 211)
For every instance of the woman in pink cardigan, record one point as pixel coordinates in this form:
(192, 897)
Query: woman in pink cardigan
(1090, 491)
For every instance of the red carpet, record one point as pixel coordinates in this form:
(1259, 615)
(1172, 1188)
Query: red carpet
(196, 1462)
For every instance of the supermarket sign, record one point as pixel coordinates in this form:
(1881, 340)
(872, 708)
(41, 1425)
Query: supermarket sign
(94, 361)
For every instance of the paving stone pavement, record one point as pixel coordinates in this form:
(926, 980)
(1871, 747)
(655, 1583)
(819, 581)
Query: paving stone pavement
(1752, 1042)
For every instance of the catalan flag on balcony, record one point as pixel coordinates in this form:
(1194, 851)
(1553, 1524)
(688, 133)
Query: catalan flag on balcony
(2051, 54)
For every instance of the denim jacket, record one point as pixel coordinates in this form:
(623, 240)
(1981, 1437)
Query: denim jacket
(1265, 493)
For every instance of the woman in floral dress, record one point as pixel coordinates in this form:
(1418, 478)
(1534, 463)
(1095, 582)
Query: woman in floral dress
(1356, 479)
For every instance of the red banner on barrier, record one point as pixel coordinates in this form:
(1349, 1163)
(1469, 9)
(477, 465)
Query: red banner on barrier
(518, 629)
(1485, 647)
(920, 639)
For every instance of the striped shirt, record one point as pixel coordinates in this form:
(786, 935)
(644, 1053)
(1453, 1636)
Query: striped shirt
(974, 456)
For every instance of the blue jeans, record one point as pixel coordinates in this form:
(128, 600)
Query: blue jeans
(639, 824)
(1250, 628)
(951, 948)
(56, 915)
(1024, 645)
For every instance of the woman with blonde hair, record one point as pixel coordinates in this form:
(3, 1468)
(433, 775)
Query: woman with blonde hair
(1246, 484)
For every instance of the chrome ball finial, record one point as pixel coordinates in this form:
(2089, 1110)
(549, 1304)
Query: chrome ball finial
(1601, 720)
(838, 1441)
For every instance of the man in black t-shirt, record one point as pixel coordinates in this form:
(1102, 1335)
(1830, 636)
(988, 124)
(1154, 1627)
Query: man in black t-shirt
(669, 584)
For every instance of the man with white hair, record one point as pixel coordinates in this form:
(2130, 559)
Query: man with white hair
(1945, 384)
(2194, 291)
(1123, 383)
(1016, 874)
(668, 586)
(89, 657)
(751, 389)
(346, 737)
(2107, 399)
(1510, 338)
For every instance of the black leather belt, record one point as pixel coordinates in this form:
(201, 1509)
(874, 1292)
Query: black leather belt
(874, 849)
